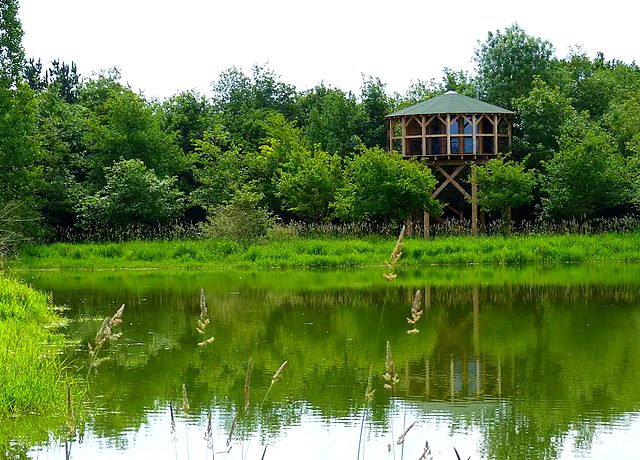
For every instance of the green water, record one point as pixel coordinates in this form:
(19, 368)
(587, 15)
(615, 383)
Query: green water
(508, 363)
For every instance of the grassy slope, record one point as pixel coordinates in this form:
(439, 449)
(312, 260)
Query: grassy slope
(333, 253)
(30, 381)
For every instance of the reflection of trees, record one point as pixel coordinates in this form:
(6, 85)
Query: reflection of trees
(558, 358)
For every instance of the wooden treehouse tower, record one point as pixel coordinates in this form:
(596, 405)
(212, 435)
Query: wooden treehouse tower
(449, 133)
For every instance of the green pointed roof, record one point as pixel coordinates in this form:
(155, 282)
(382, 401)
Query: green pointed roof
(450, 102)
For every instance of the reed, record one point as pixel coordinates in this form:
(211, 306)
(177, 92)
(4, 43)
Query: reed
(203, 321)
(416, 313)
(394, 258)
(390, 377)
(274, 379)
(104, 336)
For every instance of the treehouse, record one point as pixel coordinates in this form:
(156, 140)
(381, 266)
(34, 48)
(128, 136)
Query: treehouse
(451, 132)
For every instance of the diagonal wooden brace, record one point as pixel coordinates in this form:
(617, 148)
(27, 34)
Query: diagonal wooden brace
(450, 179)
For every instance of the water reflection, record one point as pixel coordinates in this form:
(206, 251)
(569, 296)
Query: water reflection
(508, 364)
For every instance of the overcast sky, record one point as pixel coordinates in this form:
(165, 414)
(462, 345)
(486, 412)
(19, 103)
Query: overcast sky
(163, 47)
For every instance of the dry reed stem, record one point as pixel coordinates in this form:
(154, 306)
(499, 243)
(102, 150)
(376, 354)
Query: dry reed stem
(369, 392)
(232, 430)
(247, 383)
(185, 401)
(426, 453)
(404, 434)
(173, 422)
(105, 334)
(394, 258)
(203, 321)
(416, 313)
(390, 377)
(208, 434)
(276, 376)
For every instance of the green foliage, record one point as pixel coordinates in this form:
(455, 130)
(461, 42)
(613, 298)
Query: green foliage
(125, 126)
(189, 115)
(507, 63)
(308, 182)
(623, 119)
(381, 186)
(132, 195)
(284, 141)
(245, 101)
(241, 218)
(375, 106)
(218, 168)
(540, 116)
(586, 176)
(332, 118)
(503, 184)
(11, 52)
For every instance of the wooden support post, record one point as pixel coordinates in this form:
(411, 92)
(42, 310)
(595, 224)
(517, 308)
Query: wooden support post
(510, 133)
(495, 134)
(474, 134)
(474, 202)
(427, 226)
(448, 136)
(403, 120)
(424, 135)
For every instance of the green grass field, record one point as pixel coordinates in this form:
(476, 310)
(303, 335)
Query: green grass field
(300, 252)
(31, 380)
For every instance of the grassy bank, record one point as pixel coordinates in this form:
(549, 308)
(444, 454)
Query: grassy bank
(333, 252)
(31, 379)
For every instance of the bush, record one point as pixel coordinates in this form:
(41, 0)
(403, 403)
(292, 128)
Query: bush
(241, 219)
(132, 196)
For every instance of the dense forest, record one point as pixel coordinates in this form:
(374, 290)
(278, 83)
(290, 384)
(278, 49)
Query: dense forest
(86, 156)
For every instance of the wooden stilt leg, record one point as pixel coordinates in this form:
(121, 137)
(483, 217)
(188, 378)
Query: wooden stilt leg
(474, 202)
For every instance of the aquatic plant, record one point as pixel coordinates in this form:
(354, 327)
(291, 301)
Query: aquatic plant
(104, 335)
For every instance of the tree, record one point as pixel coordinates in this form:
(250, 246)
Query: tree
(331, 119)
(381, 186)
(539, 117)
(504, 184)
(308, 182)
(508, 61)
(132, 196)
(188, 115)
(218, 169)
(11, 52)
(586, 176)
(245, 101)
(376, 105)
(125, 126)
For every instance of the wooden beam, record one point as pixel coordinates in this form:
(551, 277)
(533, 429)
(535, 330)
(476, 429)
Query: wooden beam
(510, 133)
(474, 201)
(424, 135)
(449, 136)
(404, 135)
(450, 179)
(475, 141)
(495, 134)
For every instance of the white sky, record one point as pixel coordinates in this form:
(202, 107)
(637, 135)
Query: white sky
(166, 46)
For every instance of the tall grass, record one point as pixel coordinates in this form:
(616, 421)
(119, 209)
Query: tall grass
(333, 253)
(31, 380)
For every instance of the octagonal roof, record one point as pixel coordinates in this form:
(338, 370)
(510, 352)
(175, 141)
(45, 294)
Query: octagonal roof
(450, 102)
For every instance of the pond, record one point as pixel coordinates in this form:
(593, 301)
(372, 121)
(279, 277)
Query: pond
(507, 364)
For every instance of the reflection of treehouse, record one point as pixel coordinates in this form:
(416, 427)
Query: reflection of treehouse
(450, 132)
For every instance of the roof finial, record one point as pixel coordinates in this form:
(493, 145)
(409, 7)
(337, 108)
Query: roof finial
(451, 92)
